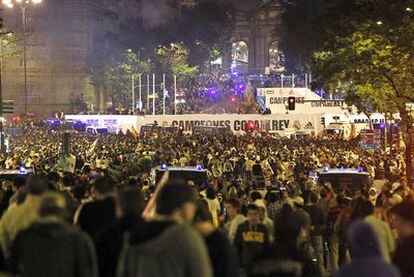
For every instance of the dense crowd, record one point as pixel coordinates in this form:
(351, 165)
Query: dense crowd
(258, 215)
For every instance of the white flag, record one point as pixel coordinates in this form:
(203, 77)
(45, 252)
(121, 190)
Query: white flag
(70, 163)
(91, 150)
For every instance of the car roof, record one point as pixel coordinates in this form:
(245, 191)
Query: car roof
(179, 168)
(341, 171)
(16, 172)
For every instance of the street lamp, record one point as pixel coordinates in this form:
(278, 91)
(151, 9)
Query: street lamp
(24, 6)
(8, 34)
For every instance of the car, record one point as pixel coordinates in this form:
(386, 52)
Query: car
(212, 130)
(96, 130)
(9, 174)
(197, 174)
(151, 129)
(350, 179)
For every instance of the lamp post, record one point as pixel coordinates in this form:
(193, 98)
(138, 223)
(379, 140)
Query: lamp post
(1, 90)
(409, 109)
(24, 6)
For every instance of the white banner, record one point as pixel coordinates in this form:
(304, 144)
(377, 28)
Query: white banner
(238, 123)
(307, 102)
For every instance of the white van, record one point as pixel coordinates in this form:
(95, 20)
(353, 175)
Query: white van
(96, 130)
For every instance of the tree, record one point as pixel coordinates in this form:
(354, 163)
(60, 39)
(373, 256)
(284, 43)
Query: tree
(370, 58)
(118, 77)
(173, 59)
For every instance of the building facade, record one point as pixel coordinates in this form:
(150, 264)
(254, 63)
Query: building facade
(64, 38)
(254, 46)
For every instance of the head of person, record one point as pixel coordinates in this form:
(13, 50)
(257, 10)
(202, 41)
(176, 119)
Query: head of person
(291, 227)
(255, 195)
(210, 193)
(53, 204)
(129, 202)
(37, 184)
(68, 180)
(18, 183)
(402, 218)
(102, 188)
(53, 177)
(312, 198)
(323, 193)
(253, 215)
(363, 242)
(177, 200)
(233, 207)
(361, 209)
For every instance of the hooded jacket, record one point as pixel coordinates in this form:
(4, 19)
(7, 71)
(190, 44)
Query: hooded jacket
(176, 251)
(51, 247)
(366, 254)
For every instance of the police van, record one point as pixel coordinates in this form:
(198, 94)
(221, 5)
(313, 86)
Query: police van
(11, 174)
(197, 174)
(349, 179)
(96, 130)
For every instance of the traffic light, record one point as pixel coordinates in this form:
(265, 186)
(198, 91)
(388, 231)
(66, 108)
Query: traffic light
(8, 107)
(323, 121)
(180, 129)
(291, 103)
(250, 126)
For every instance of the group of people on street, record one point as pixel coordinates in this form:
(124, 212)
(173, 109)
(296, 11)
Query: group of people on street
(259, 213)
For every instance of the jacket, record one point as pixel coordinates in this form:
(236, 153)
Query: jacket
(109, 243)
(251, 242)
(16, 220)
(176, 251)
(366, 254)
(385, 237)
(96, 216)
(403, 256)
(51, 247)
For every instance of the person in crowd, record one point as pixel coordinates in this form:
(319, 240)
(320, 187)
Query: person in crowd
(252, 238)
(234, 217)
(317, 228)
(222, 255)
(168, 246)
(21, 217)
(5, 195)
(382, 230)
(333, 239)
(213, 204)
(129, 206)
(402, 219)
(64, 250)
(274, 206)
(266, 221)
(96, 215)
(291, 245)
(19, 189)
(366, 254)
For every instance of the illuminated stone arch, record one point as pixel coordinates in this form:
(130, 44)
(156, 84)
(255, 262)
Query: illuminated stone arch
(240, 56)
(277, 60)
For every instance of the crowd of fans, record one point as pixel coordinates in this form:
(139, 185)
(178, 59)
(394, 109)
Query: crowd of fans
(259, 215)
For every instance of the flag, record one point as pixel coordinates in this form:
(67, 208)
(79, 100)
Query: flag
(70, 163)
(134, 132)
(92, 149)
(149, 211)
